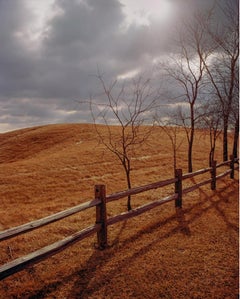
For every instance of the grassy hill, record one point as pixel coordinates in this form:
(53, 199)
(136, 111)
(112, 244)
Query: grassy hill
(164, 253)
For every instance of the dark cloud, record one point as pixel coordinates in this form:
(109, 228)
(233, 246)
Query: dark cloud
(16, 61)
(40, 83)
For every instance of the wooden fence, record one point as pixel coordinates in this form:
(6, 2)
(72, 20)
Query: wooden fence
(102, 222)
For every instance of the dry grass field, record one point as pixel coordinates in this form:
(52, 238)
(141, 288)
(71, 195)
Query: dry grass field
(164, 253)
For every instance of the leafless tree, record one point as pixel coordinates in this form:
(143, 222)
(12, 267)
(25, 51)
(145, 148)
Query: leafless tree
(212, 121)
(129, 107)
(187, 70)
(222, 66)
(235, 114)
(171, 129)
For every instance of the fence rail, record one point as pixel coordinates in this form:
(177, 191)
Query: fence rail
(15, 231)
(140, 189)
(45, 252)
(101, 223)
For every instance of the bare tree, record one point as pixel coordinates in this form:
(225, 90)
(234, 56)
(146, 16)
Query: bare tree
(222, 65)
(171, 129)
(235, 115)
(187, 70)
(212, 121)
(129, 107)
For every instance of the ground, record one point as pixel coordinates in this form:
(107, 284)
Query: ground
(164, 253)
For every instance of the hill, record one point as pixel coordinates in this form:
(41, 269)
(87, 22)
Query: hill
(164, 253)
(30, 142)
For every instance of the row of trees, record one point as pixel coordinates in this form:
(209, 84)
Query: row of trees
(205, 69)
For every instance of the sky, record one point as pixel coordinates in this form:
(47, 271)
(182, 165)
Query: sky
(52, 50)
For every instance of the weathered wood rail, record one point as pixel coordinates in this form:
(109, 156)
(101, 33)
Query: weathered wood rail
(102, 222)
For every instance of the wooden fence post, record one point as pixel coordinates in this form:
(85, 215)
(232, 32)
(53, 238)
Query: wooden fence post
(213, 175)
(101, 216)
(178, 188)
(232, 166)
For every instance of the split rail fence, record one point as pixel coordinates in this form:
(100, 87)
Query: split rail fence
(102, 222)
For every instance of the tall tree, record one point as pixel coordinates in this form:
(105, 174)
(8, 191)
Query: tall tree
(128, 107)
(187, 70)
(235, 114)
(211, 120)
(222, 65)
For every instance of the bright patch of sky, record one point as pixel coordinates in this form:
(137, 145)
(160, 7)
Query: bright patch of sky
(42, 12)
(142, 12)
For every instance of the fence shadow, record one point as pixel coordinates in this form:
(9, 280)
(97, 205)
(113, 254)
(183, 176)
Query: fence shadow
(223, 195)
(84, 279)
(82, 290)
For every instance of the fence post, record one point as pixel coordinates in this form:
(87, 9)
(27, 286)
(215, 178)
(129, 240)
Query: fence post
(232, 166)
(213, 175)
(178, 188)
(101, 216)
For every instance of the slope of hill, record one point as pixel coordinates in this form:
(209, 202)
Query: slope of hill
(164, 253)
(30, 142)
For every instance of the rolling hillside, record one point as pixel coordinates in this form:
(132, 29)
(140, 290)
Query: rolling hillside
(164, 253)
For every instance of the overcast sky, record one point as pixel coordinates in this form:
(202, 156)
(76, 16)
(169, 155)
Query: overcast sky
(50, 51)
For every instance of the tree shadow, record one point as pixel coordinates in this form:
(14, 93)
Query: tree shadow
(85, 281)
(223, 196)
(218, 196)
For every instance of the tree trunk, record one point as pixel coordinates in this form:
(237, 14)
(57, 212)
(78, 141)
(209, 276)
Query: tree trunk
(190, 144)
(127, 168)
(211, 157)
(129, 207)
(225, 138)
(235, 140)
(190, 166)
(174, 159)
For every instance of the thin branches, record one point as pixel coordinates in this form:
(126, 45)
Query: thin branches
(129, 106)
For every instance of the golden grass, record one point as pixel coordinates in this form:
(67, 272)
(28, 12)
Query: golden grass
(164, 253)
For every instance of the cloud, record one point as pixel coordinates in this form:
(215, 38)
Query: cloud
(45, 69)
(15, 58)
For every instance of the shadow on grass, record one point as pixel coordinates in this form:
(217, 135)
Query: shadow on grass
(223, 195)
(85, 281)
